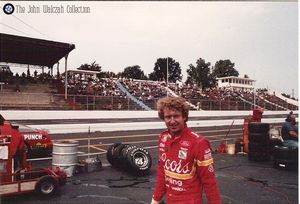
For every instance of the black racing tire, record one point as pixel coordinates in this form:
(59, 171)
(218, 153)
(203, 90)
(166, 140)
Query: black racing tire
(285, 164)
(46, 186)
(258, 137)
(258, 156)
(258, 148)
(140, 160)
(284, 153)
(110, 151)
(275, 142)
(123, 155)
(118, 161)
(256, 127)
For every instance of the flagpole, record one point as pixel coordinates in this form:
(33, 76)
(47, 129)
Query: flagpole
(167, 75)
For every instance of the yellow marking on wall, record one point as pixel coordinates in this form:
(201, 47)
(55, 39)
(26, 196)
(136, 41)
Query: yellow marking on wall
(216, 136)
(97, 148)
(147, 141)
(222, 139)
(109, 144)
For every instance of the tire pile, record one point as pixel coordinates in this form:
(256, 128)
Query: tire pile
(285, 158)
(130, 158)
(258, 149)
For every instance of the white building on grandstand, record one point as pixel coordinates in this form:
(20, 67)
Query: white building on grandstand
(237, 83)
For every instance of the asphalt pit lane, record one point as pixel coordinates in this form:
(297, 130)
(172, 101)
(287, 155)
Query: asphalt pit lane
(126, 182)
(111, 199)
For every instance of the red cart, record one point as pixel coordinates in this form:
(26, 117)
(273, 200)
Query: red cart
(16, 174)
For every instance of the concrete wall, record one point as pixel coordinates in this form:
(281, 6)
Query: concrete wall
(103, 127)
(34, 115)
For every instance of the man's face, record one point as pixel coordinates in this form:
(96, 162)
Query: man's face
(174, 121)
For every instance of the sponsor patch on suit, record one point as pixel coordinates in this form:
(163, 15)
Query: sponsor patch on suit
(182, 154)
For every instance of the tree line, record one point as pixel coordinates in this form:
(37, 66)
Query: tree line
(202, 73)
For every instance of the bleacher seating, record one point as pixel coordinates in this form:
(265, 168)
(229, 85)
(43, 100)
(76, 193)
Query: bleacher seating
(107, 94)
(33, 96)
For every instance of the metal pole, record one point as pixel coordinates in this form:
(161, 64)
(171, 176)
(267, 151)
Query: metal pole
(167, 75)
(89, 142)
(254, 95)
(66, 77)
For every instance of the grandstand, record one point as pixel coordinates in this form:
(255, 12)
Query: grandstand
(31, 96)
(129, 94)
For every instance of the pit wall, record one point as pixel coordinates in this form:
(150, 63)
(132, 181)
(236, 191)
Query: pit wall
(79, 127)
(49, 115)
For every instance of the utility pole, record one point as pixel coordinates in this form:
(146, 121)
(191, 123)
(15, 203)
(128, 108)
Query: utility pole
(167, 75)
(254, 95)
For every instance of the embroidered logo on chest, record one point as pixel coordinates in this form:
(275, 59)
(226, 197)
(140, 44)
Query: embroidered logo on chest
(185, 143)
(182, 154)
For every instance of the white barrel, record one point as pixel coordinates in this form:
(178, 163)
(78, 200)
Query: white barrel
(64, 155)
(231, 148)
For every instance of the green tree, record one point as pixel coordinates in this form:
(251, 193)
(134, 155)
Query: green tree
(90, 67)
(133, 72)
(224, 68)
(200, 74)
(246, 76)
(160, 70)
(152, 76)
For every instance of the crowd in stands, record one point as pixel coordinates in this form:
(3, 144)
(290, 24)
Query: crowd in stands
(79, 85)
(146, 91)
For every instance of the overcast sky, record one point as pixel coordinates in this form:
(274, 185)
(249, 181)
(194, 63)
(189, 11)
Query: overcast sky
(261, 38)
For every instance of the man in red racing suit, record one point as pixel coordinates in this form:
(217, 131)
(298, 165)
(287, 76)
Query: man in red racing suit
(185, 160)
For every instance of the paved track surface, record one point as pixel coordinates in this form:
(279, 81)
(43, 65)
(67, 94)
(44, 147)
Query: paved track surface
(240, 181)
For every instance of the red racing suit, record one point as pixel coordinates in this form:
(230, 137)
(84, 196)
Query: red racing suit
(185, 168)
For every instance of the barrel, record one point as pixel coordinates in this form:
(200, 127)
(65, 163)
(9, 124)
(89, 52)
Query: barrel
(231, 148)
(64, 155)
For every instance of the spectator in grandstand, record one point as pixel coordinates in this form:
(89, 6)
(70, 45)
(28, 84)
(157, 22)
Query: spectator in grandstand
(119, 105)
(185, 159)
(289, 132)
(35, 74)
(198, 105)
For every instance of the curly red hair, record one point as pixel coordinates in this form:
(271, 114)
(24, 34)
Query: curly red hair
(176, 103)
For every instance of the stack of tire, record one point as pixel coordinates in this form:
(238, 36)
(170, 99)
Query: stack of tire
(258, 147)
(285, 158)
(130, 158)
